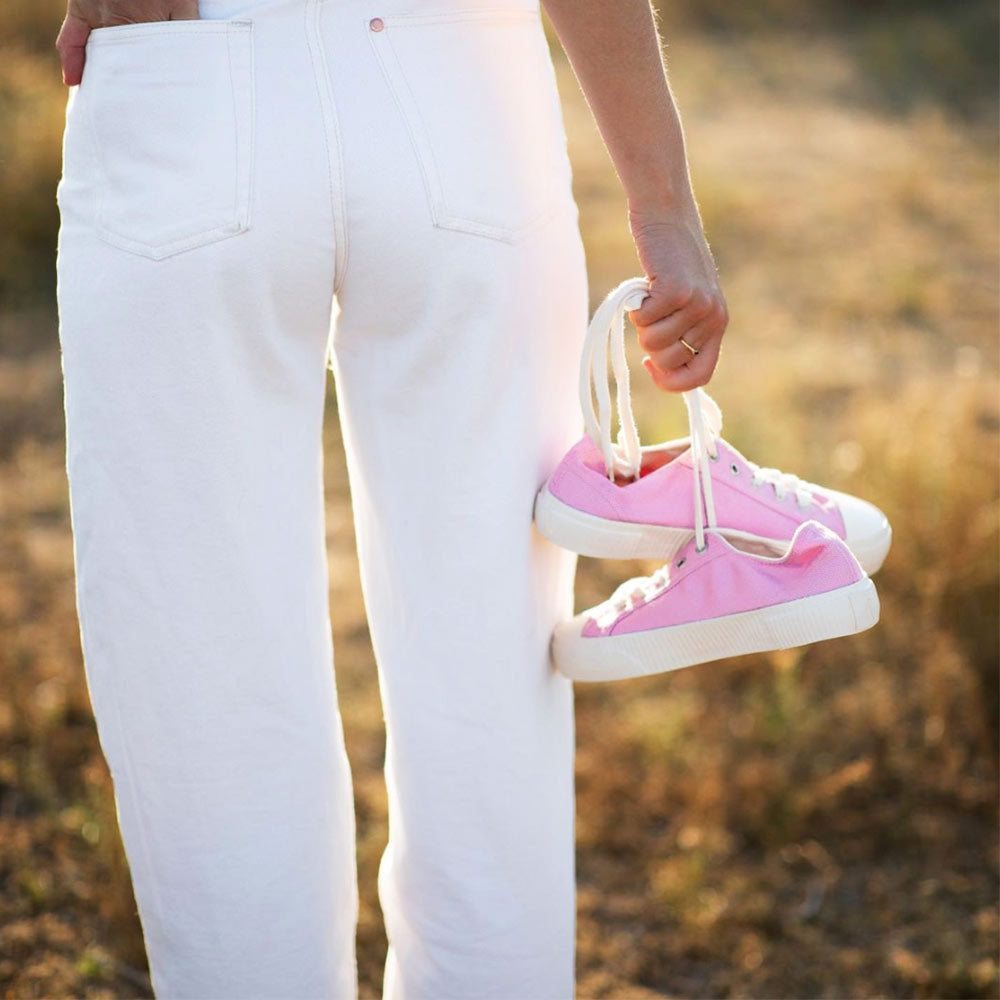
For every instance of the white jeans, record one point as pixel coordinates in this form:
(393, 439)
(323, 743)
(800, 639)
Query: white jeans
(246, 201)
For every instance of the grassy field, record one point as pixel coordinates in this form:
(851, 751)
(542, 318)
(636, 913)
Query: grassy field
(816, 823)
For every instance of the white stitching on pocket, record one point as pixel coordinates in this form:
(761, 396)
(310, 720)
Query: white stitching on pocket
(164, 189)
(491, 163)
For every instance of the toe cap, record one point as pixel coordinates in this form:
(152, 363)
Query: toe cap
(866, 529)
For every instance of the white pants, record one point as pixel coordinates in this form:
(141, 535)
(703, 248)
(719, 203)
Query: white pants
(380, 187)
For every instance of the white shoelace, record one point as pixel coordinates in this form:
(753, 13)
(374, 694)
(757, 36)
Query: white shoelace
(630, 594)
(608, 326)
(623, 457)
(783, 483)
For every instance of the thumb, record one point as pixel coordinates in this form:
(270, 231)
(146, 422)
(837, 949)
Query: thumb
(72, 45)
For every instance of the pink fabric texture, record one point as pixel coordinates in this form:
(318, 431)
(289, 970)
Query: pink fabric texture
(722, 580)
(663, 496)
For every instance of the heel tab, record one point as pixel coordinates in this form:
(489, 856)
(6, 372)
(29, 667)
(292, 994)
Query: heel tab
(811, 538)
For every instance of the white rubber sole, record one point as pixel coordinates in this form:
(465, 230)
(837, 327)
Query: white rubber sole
(637, 654)
(601, 538)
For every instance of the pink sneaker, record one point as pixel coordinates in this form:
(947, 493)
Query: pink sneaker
(810, 588)
(647, 512)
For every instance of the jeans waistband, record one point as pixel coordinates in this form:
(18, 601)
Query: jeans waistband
(221, 9)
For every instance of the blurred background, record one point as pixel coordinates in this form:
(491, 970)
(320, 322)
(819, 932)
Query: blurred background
(815, 823)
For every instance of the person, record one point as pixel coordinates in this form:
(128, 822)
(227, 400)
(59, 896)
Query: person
(255, 191)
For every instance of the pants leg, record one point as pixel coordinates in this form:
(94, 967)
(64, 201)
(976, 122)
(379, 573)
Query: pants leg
(194, 352)
(456, 354)
(203, 233)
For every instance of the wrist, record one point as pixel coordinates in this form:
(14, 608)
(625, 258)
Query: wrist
(663, 208)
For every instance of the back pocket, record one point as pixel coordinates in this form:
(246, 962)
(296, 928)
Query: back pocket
(477, 91)
(171, 108)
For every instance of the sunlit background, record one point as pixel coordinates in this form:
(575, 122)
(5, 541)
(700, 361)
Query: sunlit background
(815, 823)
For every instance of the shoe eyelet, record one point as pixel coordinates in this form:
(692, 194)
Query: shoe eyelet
(734, 469)
(681, 561)
(714, 458)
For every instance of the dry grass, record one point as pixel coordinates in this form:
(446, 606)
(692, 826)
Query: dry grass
(816, 823)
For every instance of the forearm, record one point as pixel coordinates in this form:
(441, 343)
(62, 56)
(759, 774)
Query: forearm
(614, 49)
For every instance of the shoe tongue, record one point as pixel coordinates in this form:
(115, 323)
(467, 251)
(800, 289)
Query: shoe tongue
(685, 458)
(590, 454)
(589, 448)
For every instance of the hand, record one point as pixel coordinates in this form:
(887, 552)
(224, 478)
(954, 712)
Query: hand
(85, 15)
(685, 301)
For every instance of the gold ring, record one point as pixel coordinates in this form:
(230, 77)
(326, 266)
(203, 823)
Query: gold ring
(693, 350)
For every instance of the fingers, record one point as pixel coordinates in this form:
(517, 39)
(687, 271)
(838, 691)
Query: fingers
(697, 371)
(184, 10)
(72, 46)
(664, 300)
(675, 354)
(72, 39)
(666, 324)
(699, 317)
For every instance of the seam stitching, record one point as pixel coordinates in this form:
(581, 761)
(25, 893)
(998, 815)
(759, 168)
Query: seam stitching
(397, 81)
(334, 157)
(208, 236)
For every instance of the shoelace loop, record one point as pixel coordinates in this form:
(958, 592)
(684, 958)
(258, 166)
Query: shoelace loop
(607, 328)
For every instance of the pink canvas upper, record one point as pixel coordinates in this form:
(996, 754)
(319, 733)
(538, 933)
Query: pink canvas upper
(722, 580)
(663, 496)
